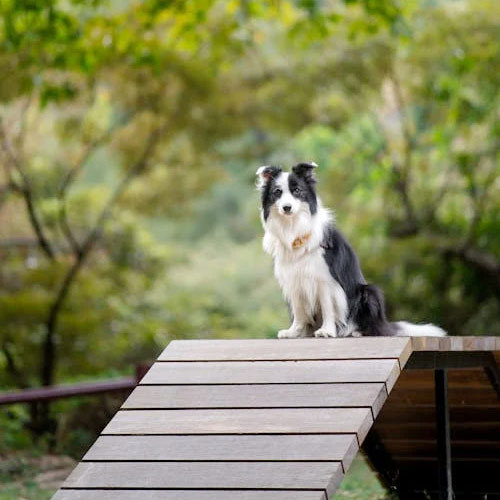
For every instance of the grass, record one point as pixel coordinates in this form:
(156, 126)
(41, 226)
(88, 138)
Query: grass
(360, 483)
(29, 476)
(28, 490)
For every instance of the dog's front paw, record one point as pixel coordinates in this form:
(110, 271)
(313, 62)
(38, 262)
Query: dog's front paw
(325, 332)
(291, 333)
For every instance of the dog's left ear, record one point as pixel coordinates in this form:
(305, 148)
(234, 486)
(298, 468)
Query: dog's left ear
(305, 170)
(265, 174)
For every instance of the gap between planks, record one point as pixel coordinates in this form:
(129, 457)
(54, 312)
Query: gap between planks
(312, 433)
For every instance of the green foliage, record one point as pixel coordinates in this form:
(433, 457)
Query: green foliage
(360, 483)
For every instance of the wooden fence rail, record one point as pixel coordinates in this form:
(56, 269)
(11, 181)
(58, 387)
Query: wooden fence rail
(50, 393)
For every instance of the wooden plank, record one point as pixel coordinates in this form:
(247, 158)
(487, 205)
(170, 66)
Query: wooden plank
(392, 378)
(427, 430)
(319, 447)
(486, 396)
(256, 396)
(187, 495)
(291, 349)
(394, 414)
(272, 372)
(379, 402)
(207, 475)
(465, 378)
(253, 421)
(466, 343)
(427, 448)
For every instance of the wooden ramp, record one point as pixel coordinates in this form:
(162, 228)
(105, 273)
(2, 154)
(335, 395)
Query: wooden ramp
(404, 443)
(257, 419)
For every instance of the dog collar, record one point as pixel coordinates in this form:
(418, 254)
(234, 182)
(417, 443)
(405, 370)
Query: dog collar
(300, 241)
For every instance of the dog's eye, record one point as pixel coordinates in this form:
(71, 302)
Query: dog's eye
(296, 191)
(278, 192)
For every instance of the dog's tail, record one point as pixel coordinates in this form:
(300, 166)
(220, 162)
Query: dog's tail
(405, 329)
(368, 312)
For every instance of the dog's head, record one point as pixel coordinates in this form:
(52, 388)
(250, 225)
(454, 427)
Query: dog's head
(287, 193)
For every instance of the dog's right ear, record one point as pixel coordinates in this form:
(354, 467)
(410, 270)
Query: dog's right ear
(305, 170)
(265, 174)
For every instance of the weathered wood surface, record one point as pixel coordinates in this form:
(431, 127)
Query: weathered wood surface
(405, 428)
(450, 344)
(258, 396)
(479, 431)
(276, 448)
(273, 372)
(287, 350)
(187, 495)
(203, 475)
(251, 421)
(275, 419)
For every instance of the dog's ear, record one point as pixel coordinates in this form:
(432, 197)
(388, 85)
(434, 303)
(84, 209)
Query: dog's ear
(305, 170)
(265, 174)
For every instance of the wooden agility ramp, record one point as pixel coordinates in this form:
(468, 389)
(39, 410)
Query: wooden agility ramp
(283, 420)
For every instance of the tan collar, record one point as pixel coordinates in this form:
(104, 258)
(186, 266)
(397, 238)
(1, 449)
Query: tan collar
(300, 241)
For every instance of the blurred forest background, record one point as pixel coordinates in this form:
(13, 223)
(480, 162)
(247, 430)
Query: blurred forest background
(130, 132)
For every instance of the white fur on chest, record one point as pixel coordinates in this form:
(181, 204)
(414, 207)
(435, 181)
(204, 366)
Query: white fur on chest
(304, 279)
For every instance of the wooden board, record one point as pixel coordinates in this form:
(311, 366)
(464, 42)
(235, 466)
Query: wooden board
(290, 349)
(252, 421)
(447, 344)
(403, 439)
(273, 372)
(207, 475)
(396, 414)
(187, 495)
(479, 397)
(428, 448)
(311, 447)
(427, 430)
(258, 396)
(467, 379)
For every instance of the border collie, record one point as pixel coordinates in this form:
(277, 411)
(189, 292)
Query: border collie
(317, 269)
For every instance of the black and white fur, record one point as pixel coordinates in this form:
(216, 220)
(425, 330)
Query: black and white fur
(318, 271)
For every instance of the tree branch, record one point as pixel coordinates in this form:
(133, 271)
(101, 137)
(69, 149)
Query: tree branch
(4, 192)
(12, 369)
(67, 181)
(23, 126)
(484, 262)
(27, 194)
(69, 178)
(401, 172)
(48, 359)
(479, 201)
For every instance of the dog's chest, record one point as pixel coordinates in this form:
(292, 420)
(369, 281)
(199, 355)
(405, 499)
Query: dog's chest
(302, 276)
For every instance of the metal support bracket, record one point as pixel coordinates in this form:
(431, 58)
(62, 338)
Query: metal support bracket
(443, 434)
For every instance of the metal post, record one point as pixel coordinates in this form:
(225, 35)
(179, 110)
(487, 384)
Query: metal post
(443, 434)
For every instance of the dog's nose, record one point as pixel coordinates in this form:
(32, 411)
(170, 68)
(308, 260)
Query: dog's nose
(287, 208)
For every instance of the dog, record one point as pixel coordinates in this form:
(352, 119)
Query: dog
(316, 268)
